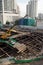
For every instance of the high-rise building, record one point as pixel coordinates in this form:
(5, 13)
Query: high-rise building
(8, 10)
(31, 9)
(40, 16)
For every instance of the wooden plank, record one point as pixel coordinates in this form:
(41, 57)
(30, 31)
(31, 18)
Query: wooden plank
(20, 47)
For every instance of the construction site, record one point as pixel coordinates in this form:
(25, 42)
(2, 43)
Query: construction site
(21, 45)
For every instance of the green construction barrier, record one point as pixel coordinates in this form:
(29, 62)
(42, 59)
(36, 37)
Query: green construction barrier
(7, 42)
(26, 61)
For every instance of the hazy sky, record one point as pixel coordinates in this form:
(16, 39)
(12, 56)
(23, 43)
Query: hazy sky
(22, 5)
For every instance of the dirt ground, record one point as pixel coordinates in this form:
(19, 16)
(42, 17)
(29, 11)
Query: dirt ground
(33, 63)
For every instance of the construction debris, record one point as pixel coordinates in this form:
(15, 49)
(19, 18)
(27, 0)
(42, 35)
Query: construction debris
(25, 47)
(20, 47)
(28, 45)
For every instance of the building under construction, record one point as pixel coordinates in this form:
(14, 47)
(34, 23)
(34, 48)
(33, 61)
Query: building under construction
(20, 45)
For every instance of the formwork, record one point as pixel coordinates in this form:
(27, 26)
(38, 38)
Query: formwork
(33, 51)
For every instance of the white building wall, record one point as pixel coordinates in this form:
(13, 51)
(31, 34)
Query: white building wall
(7, 18)
(10, 17)
(27, 10)
(8, 11)
(32, 8)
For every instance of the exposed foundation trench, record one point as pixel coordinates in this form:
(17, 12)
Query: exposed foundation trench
(34, 45)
